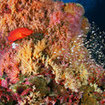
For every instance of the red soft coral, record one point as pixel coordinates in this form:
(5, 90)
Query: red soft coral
(5, 95)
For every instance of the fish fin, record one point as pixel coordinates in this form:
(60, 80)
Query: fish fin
(23, 35)
(26, 31)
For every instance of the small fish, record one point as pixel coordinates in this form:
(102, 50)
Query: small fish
(95, 44)
(19, 33)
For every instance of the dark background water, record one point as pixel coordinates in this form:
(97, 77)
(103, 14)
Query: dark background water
(94, 11)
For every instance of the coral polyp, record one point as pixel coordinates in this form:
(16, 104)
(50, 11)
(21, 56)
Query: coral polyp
(52, 65)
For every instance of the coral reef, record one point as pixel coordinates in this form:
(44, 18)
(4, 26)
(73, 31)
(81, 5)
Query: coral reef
(51, 66)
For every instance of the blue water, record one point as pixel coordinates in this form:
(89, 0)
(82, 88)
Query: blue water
(88, 4)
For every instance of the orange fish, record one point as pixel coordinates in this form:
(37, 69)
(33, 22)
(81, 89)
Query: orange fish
(19, 33)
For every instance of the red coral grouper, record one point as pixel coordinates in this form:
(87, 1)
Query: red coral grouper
(19, 33)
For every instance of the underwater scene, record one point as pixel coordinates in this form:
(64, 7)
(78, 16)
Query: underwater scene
(51, 53)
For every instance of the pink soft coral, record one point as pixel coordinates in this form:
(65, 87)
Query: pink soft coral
(55, 18)
(4, 83)
(9, 66)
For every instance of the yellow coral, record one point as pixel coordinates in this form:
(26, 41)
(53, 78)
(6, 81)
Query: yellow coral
(85, 26)
(24, 57)
(29, 54)
(96, 88)
(38, 48)
(64, 74)
(73, 8)
(70, 82)
(83, 74)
